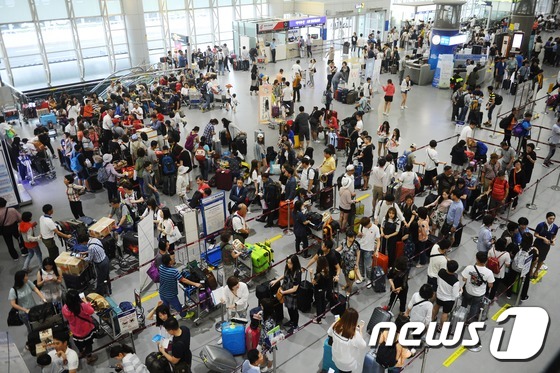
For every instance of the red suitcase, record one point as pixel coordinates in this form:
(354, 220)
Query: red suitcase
(381, 260)
(283, 214)
(252, 336)
(335, 96)
(224, 180)
(341, 143)
(334, 113)
(275, 111)
(399, 251)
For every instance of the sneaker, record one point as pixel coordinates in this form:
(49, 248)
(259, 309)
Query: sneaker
(220, 341)
(24, 255)
(359, 281)
(369, 285)
(314, 321)
(189, 315)
(546, 164)
(402, 107)
(91, 359)
(544, 267)
(406, 107)
(508, 296)
(419, 265)
(525, 298)
(16, 259)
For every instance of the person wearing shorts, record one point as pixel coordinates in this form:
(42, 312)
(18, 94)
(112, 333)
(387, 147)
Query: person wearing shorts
(447, 291)
(389, 90)
(302, 123)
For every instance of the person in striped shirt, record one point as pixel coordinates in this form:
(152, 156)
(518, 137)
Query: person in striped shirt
(168, 277)
(96, 253)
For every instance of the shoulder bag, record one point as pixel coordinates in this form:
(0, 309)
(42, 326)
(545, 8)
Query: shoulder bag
(98, 331)
(13, 315)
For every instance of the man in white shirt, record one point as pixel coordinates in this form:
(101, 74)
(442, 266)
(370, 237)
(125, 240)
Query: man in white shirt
(107, 125)
(368, 89)
(63, 358)
(349, 174)
(307, 176)
(240, 229)
(390, 172)
(420, 307)
(467, 132)
(287, 95)
(384, 205)
(71, 127)
(448, 290)
(477, 279)
(361, 43)
(438, 260)
(137, 109)
(296, 68)
(48, 230)
(369, 239)
(431, 164)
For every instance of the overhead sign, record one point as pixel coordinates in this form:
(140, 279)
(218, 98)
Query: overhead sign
(271, 26)
(315, 21)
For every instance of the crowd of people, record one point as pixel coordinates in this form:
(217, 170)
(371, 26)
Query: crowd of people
(107, 137)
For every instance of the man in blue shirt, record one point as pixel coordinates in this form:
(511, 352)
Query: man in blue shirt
(237, 195)
(453, 219)
(545, 235)
(526, 130)
(485, 239)
(291, 184)
(273, 50)
(168, 277)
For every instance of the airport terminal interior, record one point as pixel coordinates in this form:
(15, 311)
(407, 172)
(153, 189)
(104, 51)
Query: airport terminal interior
(51, 46)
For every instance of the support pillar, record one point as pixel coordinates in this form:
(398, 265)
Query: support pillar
(524, 16)
(136, 32)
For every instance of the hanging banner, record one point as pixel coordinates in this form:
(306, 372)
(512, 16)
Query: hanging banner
(271, 26)
(444, 71)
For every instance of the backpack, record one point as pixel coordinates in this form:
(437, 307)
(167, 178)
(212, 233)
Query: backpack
(493, 263)
(518, 261)
(461, 100)
(498, 100)
(103, 175)
(504, 123)
(518, 130)
(168, 165)
(200, 154)
(75, 163)
(402, 161)
(228, 225)
(315, 179)
(386, 356)
(474, 105)
(189, 143)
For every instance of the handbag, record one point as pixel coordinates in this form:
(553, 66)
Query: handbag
(175, 235)
(517, 188)
(280, 296)
(98, 332)
(182, 367)
(13, 315)
(153, 272)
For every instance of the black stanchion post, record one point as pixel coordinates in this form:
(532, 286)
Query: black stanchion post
(532, 206)
(493, 134)
(523, 279)
(503, 224)
(477, 347)
(334, 209)
(426, 350)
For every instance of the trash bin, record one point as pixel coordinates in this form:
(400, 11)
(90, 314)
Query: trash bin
(346, 48)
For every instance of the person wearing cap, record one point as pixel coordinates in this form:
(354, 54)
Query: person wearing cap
(111, 183)
(183, 182)
(136, 144)
(526, 124)
(260, 150)
(71, 127)
(411, 157)
(349, 174)
(346, 201)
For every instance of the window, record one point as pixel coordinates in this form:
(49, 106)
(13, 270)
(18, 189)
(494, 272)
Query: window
(51, 9)
(203, 21)
(14, 11)
(201, 4)
(20, 39)
(64, 72)
(90, 32)
(86, 8)
(57, 35)
(113, 6)
(151, 5)
(96, 68)
(29, 77)
(225, 16)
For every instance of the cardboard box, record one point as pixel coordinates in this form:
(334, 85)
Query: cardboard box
(68, 264)
(102, 228)
(152, 135)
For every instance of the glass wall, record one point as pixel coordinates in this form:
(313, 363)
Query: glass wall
(52, 42)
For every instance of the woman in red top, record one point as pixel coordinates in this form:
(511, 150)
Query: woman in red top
(332, 121)
(78, 314)
(389, 93)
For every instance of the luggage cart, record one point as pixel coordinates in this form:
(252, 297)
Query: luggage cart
(195, 100)
(36, 167)
(199, 299)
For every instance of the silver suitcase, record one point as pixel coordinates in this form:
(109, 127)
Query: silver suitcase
(218, 359)
(395, 189)
(459, 315)
(484, 308)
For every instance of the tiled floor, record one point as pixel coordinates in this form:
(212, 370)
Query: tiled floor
(426, 118)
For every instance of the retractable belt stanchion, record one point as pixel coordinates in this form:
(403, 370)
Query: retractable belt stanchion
(334, 209)
(477, 347)
(520, 290)
(532, 206)
(426, 350)
(503, 223)
(494, 135)
(557, 186)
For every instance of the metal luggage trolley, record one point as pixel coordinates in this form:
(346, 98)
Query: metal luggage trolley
(195, 99)
(37, 166)
(198, 298)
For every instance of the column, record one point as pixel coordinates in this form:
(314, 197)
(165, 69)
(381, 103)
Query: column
(524, 16)
(136, 32)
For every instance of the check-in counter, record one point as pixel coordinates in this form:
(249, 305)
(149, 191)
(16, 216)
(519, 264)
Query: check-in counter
(420, 73)
(292, 50)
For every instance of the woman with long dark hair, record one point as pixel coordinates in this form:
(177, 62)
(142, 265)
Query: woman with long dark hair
(50, 281)
(300, 227)
(393, 144)
(290, 283)
(78, 314)
(21, 296)
(347, 341)
(321, 283)
(166, 227)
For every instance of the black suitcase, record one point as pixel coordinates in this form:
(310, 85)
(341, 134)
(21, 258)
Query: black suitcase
(262, 291)
(241, 143)
(316, 220)
(79, 282)
(379, 315)
(305, 295)
(506, 84)
(224, 138)
(338, 303)
(513, 89)
(326, 198)
(379, 279)
(110, 246)
(94, 184)
(178, 222)
(351, 97)
(157, 363)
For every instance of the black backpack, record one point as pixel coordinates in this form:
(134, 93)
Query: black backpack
(386, 356)
(461, 100)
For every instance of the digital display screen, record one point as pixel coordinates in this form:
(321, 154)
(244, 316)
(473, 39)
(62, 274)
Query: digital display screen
(517, 39)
